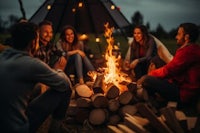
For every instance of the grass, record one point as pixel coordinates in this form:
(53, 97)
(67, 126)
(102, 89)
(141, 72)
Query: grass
(98, 48)
(3, 37)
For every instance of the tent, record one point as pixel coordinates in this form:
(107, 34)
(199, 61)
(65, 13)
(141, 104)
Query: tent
(87, 16)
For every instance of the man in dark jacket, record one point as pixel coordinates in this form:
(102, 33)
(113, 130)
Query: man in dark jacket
(19, 73)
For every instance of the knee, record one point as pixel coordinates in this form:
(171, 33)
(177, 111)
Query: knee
(77, 56)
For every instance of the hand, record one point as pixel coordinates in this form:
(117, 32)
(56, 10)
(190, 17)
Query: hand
(134, 63)
(82, 54)
(61, 63)
(151, 67)
(141, 80)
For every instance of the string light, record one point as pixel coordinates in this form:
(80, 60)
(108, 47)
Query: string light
(80, 4)
(48, 7)
(112, 7)
(73, 9)
(97, 39)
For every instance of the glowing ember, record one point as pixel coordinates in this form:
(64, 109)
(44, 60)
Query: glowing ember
(112, 71)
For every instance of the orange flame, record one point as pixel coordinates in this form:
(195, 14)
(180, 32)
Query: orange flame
(112, 71)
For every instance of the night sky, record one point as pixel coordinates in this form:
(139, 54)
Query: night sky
(168, 13)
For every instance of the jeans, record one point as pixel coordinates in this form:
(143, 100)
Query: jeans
(79, 63)
(51, 102)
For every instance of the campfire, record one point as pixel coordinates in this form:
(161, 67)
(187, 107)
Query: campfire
(112, 74)
(112, 99)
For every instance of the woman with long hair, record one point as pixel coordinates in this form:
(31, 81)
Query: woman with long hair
(73, 50)
(140, 52)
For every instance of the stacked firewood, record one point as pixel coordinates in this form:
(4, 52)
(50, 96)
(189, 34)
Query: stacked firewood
(123, 112)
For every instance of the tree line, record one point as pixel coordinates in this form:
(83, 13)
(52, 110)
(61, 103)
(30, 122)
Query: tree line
(136, 19)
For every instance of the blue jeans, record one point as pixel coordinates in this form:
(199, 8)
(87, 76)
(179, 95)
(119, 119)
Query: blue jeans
(51, 102)
(79, 63)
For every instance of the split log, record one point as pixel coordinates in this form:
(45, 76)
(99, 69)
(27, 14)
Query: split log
(146, 112)
(125, 97)
(180, 115)
(125, 129)
(112, 92)
(99, 100)
(191, 122)
(114, 129)
(83, 102)
(132, 123)
(171, 120)
(97, 116)
(83, 90)
(197, 125)
(182, 119)
(127, 109)
(98, 83)
(113, 105)
(140, 120)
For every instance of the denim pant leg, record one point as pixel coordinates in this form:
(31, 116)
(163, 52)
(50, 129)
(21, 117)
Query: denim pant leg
(88, 64)
(79, 65)
(51, 102)
(167, 90)
(75, 61)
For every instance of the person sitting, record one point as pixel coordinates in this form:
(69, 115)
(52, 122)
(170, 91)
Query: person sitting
(74, 53)
(19, 73)
(178, 80)
(46, 50)
(155, 63)
(140, 52)
(46, 53)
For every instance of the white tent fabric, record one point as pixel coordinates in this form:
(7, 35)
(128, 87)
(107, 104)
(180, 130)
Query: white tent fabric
(163, 52)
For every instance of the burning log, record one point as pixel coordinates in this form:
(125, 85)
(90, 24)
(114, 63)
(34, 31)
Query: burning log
(97, 116)
(125, 97)
(97, 86)
(132, 87)
(99, 100)
(112, 92)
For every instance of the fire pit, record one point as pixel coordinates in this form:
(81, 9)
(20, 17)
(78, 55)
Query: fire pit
(112, 100)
